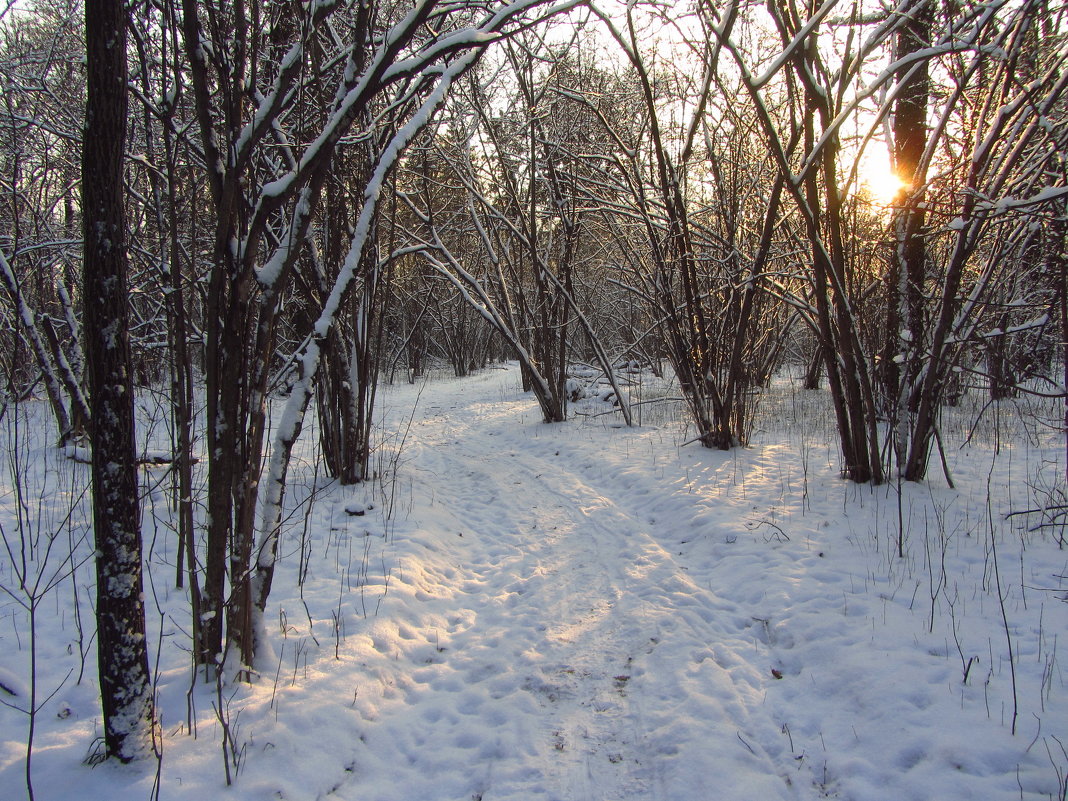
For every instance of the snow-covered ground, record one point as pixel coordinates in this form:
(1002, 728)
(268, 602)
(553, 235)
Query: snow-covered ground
(586, 612)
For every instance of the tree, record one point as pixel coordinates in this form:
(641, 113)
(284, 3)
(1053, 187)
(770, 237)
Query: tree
(696, 190)
(501, 215)
(40, 138)
(905, 309)
(125, 681)
(267, 168)
(993, 136)
(988, 133)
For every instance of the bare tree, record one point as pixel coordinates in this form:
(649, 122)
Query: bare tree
(695, 192)
(40, 134)
(508, 232)
(906, 312)
(987, 139)
(1001, 187)
(407, 62)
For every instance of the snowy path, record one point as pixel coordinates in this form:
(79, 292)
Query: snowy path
(581, 662)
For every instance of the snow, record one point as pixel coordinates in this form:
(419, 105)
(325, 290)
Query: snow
(13, 686)
(587, 611)
(1046, 195)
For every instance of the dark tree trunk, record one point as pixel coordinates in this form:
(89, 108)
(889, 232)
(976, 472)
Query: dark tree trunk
(1057, 266)
(348, 377)
(906, 314)
(125, 687)
(843, 356)
(814, 371)
(999, 365)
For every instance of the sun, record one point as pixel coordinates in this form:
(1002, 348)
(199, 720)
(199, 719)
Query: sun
(880, 181)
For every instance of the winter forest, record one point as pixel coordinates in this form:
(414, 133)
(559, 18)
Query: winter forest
(577, 400)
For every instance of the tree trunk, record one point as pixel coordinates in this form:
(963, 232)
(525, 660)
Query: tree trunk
(815, 368)
(348, 376)
(999, 366)
(1057, 260)
(125, 687)
(906, 323)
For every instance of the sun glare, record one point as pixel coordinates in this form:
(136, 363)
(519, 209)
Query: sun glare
(880, 181)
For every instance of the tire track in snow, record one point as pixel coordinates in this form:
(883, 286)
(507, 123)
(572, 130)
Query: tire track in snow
(603, 623)
(561, 598)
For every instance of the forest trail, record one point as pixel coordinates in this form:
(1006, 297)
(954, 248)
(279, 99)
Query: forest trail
(573, 610)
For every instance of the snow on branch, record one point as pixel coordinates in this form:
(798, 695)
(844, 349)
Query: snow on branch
(430, 64)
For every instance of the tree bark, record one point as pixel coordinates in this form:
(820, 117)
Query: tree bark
(906, 323)
(125, 686)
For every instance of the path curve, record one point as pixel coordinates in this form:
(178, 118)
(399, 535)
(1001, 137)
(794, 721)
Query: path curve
(575, 645)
